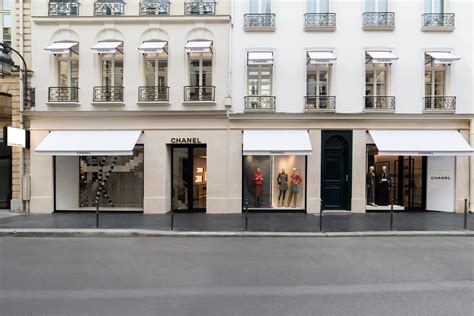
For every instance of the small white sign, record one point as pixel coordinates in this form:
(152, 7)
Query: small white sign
(16, 137)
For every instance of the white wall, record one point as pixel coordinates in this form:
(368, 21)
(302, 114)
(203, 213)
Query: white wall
(67, 183)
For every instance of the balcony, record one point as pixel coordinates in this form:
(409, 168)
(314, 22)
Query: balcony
(320, 22)
(259, 103)
(153, 94)
(321, 103)
(153, 8)
(259, 22)
(199, 8)
(438, 22)
(379, 104)
(106, 95)
(63, 95)
(440, 104)
(109, 8)
(63, 8)
(378, 21)
(203, 94)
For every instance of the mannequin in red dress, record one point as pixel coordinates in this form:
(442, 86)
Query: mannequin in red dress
(258, 182)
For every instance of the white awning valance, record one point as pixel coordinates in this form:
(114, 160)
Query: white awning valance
(443, 57)
(60, 47)
(88, 143)
(199, 47)
(106, 47)
(321, 58)
(420, 143)
(154, 47)
(260, 58)
(382, 57)
(277, 142)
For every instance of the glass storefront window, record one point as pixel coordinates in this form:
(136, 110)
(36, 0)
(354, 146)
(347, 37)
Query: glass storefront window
(274, 181)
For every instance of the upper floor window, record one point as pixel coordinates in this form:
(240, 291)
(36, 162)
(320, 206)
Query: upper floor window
(376, 16)
(200, 7)
(260, 81)
(317, 6)
(109, 7)
(434, 6)
(260, 6)
(376, 5)
(318, 75)
(63, 7)
(111, 71)
(376, 80)
(154, 7)
(435, 18)
(200, 56)
(156, 71)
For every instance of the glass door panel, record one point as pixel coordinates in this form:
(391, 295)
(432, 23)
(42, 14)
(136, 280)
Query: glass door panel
(199, 178)
(180, 177)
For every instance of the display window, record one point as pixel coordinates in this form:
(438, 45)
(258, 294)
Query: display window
(274, 182)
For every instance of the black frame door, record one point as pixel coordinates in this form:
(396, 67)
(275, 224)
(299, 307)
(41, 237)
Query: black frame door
(336, 170)
(5, 175)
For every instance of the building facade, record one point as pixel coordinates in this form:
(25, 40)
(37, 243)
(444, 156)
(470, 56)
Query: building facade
(153, 106)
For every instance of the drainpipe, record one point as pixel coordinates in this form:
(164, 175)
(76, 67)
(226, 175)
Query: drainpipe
(231, 26)
(471, 167)
(22, 96)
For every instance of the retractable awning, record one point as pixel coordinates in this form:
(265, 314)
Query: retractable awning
(153, 47)
(88, 143)
(420, 143)
(105, 47)
(321, 58)
(260, 58)
(277, 142)
(199, 47)
(443, 57)
(60, 47)
(382, 57)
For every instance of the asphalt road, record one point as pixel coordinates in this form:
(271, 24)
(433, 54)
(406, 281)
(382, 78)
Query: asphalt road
(237, 276)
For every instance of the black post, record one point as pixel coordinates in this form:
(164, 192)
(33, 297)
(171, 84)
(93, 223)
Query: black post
(172, 216)
(391, 216)
(465, 214)
(246, 214)
(321, 217)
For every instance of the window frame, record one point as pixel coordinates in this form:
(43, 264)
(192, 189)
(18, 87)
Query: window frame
(374, 69)
(318, 68)
(71, 59)
(260, 69)
(113, 58)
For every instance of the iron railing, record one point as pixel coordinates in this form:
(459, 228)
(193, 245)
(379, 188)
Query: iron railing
(320, 20)
(440, 103)
(199, 8)
(110, 8)
(378, 19)
(259, 20)
(108, 94)
(153, 93)
(379, 102)
(259, 102)
(148, 7)
(63, 94)
(196, 93)
(320, 102)
(63, 8)
(438, 19)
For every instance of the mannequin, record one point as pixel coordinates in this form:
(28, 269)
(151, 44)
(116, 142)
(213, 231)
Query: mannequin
(384, 185)
(258, 182)
(295, 180)
(282, 186)
(371, 186)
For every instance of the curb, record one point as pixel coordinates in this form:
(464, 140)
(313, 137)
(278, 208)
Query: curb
(160, 233)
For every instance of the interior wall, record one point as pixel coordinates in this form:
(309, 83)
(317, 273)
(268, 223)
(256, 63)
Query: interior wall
(67, 183)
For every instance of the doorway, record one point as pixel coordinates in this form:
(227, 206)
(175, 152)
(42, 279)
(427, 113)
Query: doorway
(189, 178)
(336, 170)
(5, 176)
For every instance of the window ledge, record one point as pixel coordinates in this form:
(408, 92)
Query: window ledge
(71, 104)
(148, 103)
(320, 110)
(108, 103)
(447, 28)
(259, 28)
(259, 110)
(211, 103)
(383, 28)
(319, 28)
(379, 111)
(428, 111)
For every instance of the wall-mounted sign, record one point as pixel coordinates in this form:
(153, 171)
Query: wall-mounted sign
(15, 137)
(185, 140)
(440, 184)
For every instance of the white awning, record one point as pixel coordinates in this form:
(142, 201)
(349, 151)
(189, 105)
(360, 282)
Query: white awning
(277, 142)
(443, 57)
(106, 47)
(260, 58)
(88, 143)
(199, 47)
(321, 57)
(60, 47)
(382, 57)
(153, 47)
(420, 143)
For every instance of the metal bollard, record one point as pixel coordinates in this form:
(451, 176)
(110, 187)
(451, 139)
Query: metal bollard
(246, 214)
(391, 216)
(465, 214)
(321, 217)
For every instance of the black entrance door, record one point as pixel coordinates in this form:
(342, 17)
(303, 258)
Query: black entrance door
(336, 164)
(189, 178)
(5, 176)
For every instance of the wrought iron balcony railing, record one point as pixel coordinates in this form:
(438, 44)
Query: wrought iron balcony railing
(108, 94)
(104, 8)
(378, 20)
(259, 20)
(63, 94)
(199, 8)
(438, 20)
(63, 8)
(203, 93)
(379, 103)
(320, 102)
(259, 102)
(440, 104)
(153, 93)
(148, 7)
(320, 20)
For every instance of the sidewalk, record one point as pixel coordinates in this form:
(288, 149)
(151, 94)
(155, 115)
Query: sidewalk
(424, 223)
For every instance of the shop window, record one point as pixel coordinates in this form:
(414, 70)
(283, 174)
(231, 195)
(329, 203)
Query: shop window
(274, 182)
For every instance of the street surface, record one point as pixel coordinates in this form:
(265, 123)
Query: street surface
(237, 276)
